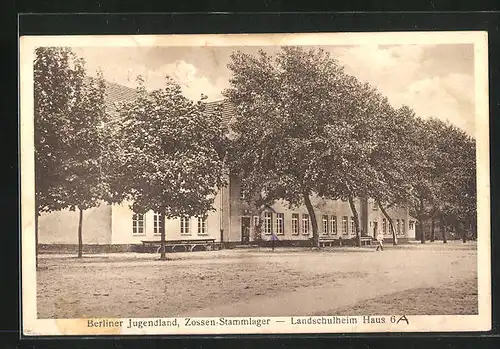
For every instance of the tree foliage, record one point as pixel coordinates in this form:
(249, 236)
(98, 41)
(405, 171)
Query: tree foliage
(306, 128)
(56, 73)
(443, 180)
(69, 108)
(58, 78)
(170, 154)
(288, 107)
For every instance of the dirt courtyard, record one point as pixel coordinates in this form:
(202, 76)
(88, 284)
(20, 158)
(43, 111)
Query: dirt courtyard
(429, 279)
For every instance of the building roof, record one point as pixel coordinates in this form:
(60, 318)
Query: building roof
(116, 94)
(228, 110)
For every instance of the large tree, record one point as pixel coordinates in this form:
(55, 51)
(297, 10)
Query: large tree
(171, 154)
(349, 141)
(392, 159)
(287, 106)
(84, 181)
(424, 185)
(307, 128)
(60, 104)
(365, 152)
(442, 179)
(456, 163)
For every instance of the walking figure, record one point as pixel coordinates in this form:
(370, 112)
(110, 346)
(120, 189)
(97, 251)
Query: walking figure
(380, 240)
(273, 239)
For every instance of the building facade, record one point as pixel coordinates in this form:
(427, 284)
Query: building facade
(292, 225)
(232, 221)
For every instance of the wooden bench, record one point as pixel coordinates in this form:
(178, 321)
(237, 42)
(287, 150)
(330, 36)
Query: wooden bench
(365, 240)
(183, 245)
(326, 241)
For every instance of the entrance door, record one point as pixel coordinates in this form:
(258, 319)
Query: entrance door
(245, 230)
(375, 227)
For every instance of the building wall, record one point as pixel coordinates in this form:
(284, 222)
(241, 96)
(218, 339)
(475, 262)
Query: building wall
(399, 215)
(113, 224)
(223, 206)
(330, 208)
(237, 209)
(411, 235)
(122, 225)
(61, 227)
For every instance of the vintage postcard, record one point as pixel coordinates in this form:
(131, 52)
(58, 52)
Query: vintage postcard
(255, 183)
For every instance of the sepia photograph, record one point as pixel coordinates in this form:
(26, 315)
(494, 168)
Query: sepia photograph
(255, 183)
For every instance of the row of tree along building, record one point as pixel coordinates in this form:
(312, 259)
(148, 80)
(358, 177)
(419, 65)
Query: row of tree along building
(235, 219)
(296, 152)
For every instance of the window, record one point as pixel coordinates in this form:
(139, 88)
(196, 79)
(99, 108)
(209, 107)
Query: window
(305, 224)
(333, 225)
(398, 227)
(403, 227)
(375, 206)
(280, 223)
(411, 225)
(242, 195)
(384, 226)
(268, 225)
(138, 224)
(202, 225)
(255, 221)
(353, 226)
(295, 223)
(344, 225)
(185, 226)
(156, 224)
(325, 225)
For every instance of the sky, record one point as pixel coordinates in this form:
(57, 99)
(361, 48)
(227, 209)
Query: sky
(434, 80)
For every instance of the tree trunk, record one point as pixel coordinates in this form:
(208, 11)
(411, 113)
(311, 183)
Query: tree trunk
(433, 234)
(421, 221)
(391, 223)
(80, 237)
(356, 219)
(461, 231)
(163, 257)
(474, 227)
(393, 232)
(442, 229)
(36, 239)
(312, 215)
(421, 228)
